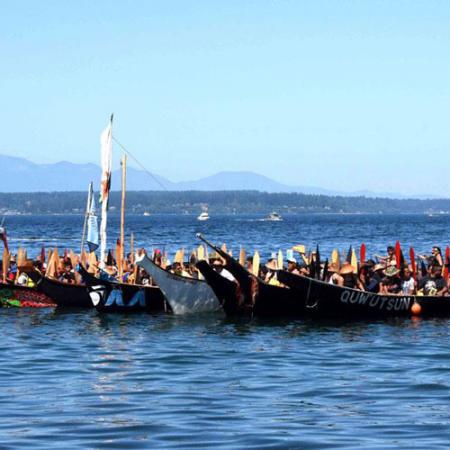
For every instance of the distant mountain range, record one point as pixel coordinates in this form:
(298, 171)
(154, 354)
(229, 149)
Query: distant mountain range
(21, 175)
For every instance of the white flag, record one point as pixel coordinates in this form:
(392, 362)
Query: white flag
(106, 163)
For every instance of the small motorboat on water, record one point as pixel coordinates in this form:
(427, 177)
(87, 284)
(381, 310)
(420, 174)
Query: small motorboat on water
(274, 217)
(146, 214)
(203, 216)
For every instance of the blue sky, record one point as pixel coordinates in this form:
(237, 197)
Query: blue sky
(344, 95)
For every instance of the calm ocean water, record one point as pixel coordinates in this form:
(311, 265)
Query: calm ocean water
(79, 379)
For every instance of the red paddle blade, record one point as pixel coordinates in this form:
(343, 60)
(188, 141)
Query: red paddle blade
(446, 262)
(398, 254)
(412, 257)
(362, 253)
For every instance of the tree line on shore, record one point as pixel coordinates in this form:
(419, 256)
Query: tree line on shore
(219, 202)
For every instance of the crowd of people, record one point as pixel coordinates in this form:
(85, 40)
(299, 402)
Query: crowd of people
(382, 275)
(386, 275)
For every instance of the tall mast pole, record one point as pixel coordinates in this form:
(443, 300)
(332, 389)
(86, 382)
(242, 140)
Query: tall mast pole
(123, 163)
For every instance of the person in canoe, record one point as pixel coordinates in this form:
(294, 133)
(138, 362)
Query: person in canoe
(435, 259)
(351, 279)
(433, 284)
(372, 274)
(249, 264)
(219, 268)
(389, 259)
(408, 282)
(292, 266)
(333, 277)
(179, 269)
(391, 284)
(271, 272)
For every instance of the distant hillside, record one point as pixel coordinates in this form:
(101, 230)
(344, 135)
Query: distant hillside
(21, 175)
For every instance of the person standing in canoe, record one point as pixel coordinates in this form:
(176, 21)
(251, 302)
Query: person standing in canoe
(389, 259)
(435, 259)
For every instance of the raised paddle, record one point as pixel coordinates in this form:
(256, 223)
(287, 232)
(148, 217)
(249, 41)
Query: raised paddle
(398, 255)
(362, 253)
(325, 270)
(256, 263)
(317, 262)
(349, 255)
(412, 257)
(201, 253)
(354, 262)
(446, 262)
(335, 259)
(242, 256)
(5, 261)
(299, 248)
(280, 260)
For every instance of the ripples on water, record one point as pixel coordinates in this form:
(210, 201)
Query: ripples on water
(78, 379)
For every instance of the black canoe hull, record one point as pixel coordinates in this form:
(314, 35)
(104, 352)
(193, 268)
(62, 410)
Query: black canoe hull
(65, 295)
(150, 300)
(226, 291)
(120, 297)
(259, 298)
(330, 301)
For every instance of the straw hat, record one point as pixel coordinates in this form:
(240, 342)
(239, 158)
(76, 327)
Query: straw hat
(346, 268)
(26, 266)
(378, 267)
(271, 265)
(332, 268)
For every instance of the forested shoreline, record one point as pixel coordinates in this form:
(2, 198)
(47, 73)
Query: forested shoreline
(219, 202)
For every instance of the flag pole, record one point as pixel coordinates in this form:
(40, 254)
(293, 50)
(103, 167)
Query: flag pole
(120, 257)
(106, 158)
(86, 215)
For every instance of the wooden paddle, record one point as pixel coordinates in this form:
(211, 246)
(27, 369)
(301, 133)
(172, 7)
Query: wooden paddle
(178, 258)
(335, 258)
(299, 248)
(5, 261)
(119, 260)
(92, 260)
(242, 257)
(349, 255)
(84, 259)
(73, 258)
(42, 256)
(132, 248)
(354, 261)
(256, 263)
(280, 260)
(201, 253)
